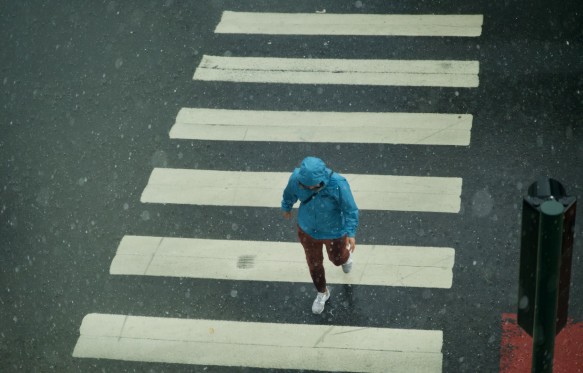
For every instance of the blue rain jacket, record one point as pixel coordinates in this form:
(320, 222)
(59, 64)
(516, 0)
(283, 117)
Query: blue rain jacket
(332, 213)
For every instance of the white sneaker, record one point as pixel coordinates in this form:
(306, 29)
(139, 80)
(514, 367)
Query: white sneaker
(347, 267)
(320, 301)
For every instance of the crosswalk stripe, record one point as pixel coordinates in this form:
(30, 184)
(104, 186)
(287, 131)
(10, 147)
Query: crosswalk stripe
(259, 345)
(438, 73)
(335, 127)
(350, 24)
(279, 261)
(264, 189)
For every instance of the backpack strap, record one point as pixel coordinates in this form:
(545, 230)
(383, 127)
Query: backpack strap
(315, 194)
(310, 198)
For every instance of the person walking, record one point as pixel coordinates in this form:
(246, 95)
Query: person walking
(328, 216)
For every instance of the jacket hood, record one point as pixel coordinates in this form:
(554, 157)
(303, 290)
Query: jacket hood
(313, 171)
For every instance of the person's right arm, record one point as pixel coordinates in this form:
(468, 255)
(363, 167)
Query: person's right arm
(289, 198)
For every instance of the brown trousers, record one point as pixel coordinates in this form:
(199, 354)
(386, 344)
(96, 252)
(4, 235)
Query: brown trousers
(337, 253)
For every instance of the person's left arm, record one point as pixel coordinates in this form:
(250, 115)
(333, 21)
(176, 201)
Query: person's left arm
(350, 212)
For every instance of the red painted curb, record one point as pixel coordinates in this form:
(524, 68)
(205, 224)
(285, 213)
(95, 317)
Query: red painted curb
(516, 348)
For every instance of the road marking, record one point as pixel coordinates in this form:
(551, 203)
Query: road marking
(435, 73)
(259, 345)
(334, 127)
(350, 24)
(380, 265)
(264, 189)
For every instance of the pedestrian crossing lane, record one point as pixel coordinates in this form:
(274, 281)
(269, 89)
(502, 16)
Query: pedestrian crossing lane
(350, 24)
(379, 265)
(332, 127)
(208, 342)
(436, 73)
(264, 189)
(425, 73)
(277, 346)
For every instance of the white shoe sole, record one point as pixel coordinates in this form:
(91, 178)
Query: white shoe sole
(347, 267)
(316, 311)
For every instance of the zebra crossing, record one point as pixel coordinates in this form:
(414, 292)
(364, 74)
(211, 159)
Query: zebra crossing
(350, 24)
(425, 73)
(379, 265)
(301, 126)
(264, 189)
(280, 346)
(297, 346)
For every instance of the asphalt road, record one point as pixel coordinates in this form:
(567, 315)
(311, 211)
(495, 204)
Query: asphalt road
(91, 89)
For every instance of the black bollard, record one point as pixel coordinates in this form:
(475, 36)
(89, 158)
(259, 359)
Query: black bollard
(547, 286)
(548, 220)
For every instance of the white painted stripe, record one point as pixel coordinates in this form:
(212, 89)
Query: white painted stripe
(265, 189)
(259, 345)
(334, 127)
(350, 24)
(280, 261)
(439, 73)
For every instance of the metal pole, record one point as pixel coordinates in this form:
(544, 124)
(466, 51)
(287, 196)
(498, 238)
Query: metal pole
(547, 286)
